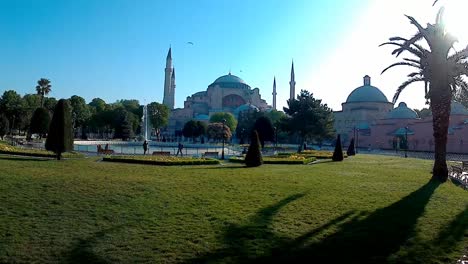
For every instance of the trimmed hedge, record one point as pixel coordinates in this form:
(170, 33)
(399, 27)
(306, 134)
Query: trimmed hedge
(161, 160)
(12, 150)
(278, 160)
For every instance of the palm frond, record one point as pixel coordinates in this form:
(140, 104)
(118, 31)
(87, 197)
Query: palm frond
(404, 85)
(401, 63)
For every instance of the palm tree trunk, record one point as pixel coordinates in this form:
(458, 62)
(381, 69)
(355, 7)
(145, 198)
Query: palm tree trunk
(440, 103)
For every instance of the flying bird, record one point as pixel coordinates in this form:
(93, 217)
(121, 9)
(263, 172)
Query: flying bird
(191, 43)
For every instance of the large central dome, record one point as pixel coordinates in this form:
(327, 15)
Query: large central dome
(366, 93)
(230, 81)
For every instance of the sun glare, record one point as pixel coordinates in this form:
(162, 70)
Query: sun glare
(455, 19)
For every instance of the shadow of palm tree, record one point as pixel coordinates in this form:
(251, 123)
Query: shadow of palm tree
(25, 158)
(369, 239)
(360, 237)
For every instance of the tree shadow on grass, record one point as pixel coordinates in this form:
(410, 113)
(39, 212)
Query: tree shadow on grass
(82, 251)
(360, 237)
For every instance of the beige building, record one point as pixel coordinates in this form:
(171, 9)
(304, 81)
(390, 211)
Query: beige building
(363, 107)
(227, 93)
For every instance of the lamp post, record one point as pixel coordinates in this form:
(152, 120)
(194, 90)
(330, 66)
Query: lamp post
(276, 137)
(357, 140)
(222, 151)
(406, 141)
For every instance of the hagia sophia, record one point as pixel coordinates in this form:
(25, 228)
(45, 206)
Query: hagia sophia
(366, 115)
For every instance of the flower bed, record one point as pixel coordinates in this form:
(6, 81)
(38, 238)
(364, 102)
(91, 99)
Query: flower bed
(292, 159)
(162, 160)
(319, 154)
(12, 150)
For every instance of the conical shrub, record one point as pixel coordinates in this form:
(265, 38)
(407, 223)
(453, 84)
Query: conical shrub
(254, 155)
(351, 151)
(338, 153)
(60, 138)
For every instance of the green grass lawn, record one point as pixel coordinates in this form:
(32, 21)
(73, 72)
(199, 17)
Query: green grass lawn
(367, 209)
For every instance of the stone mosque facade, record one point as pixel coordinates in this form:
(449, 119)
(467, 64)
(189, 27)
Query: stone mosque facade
(375, 123)
(228, 93)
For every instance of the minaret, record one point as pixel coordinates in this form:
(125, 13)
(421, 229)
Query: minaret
(292, 84)
(173, 85)
(168, 99)
(274, 93)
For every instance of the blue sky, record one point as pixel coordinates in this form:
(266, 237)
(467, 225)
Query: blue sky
(116, 49)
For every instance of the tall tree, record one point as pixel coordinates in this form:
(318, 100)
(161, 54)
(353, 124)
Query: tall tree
(193, 129)
(309, 118)
(231, 121)
(265, 130)
(11, 104)
(43, 88)
(441, 71)
(60, 138)
(40, 122)
(158, 115)
(81, 113)
(4, 125)
(123, 124)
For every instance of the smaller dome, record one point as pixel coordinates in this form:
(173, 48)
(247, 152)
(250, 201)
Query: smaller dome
(245, 107)
(202, 117)
(458, 109)
(402, 112)
(366, 93)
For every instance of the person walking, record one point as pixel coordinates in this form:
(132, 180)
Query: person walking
(145, 147)
(179, 149)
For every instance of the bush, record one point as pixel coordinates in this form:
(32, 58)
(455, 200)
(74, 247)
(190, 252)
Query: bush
(291, 160)
(60, 137)
(338, 153)
(40, 122)
(254, 155)
(351, 151)
(163, 161)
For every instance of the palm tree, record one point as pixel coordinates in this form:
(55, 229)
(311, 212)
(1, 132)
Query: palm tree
(441, 71)
(43, 88)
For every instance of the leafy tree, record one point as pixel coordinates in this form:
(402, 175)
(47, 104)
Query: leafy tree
(50, 103)
(246, 123)
(217, 131)
(338, 153)
(40, 122)
(4, 125)
(123, 129)
(254, 155)
(308, 117)
(158, 115)
(265, 130)
(60, 138)
(275, 116)
(98, 105)
(132, 106)
(441, 72)
(11, 104)
(43, 88)
(351, 150)
(81, 113)
(193, 129)
(231, 121)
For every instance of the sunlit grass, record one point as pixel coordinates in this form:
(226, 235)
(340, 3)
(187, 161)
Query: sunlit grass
(86, 210)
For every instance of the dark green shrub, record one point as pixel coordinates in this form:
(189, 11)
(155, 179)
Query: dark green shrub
(351, 151)
(254, 155)
(4, 126)
(40, 122)
(166, 161)
(60, 137)
(338, 153)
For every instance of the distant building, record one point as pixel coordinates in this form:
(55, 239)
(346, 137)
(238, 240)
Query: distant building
(227, 93)
(369, 117)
